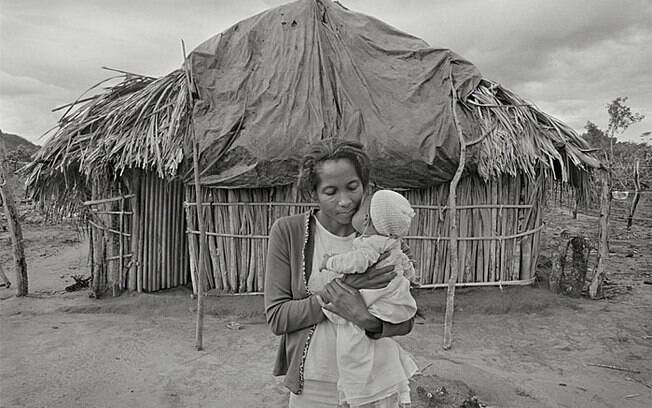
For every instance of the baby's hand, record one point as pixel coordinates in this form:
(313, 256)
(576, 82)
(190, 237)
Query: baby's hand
(324, 261)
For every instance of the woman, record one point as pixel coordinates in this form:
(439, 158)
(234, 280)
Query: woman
(336, 173)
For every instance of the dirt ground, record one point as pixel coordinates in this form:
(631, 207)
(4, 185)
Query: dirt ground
(516, 347)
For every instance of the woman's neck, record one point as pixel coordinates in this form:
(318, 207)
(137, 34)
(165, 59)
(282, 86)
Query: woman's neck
(334, 227)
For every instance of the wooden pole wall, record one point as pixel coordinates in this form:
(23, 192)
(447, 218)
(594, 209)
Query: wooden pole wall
(154, 235)
(505, 212)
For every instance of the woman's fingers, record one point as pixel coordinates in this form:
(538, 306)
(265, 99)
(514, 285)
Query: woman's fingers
(345, 287)
(335, 289)
(345, 301)
(379, 278)
(376, 280)
(382, 257)
(374, 271)
(328, 294)
(324, 296)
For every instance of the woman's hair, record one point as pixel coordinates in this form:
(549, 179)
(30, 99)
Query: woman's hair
(331, 149)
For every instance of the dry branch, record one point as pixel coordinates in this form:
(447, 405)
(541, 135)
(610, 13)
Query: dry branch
(603, 249)
(613, 367)
(452, 215)
(13, 223)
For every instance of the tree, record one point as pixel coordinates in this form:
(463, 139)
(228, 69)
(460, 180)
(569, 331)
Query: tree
(620, 118)
(596, 137)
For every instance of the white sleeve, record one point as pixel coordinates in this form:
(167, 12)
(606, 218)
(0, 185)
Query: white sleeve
(356, 261)
(394, 303)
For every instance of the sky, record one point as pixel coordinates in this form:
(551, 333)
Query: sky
(568, 57)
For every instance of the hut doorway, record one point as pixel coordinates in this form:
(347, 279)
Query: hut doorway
(138, 239)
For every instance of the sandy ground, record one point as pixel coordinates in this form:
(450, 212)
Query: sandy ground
(520, 347)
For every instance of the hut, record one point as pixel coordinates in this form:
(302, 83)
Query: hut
(252, 98)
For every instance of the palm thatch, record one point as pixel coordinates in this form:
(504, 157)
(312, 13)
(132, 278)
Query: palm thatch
(519, 138)
(139, 123)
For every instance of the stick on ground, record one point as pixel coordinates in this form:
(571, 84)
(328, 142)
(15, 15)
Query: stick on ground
(613, 367)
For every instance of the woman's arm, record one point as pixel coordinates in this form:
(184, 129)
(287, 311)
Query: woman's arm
(347, 302)
(284, 313)
(390, 330)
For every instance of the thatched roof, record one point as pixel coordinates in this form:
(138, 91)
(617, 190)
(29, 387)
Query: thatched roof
(145, 123)
(139, 123)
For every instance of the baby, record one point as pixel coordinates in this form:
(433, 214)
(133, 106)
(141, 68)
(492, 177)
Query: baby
(372, 369)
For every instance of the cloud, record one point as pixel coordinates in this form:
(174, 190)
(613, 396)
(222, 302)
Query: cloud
(12, 86)
(569, 57)
(26, 105)
(51, 52)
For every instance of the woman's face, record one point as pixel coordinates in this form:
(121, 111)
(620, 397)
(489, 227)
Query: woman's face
(339, 193)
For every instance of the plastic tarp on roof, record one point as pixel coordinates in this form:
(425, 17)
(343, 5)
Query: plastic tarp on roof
(276, 82)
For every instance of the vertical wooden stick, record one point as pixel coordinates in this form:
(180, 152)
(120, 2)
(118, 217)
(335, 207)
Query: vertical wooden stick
(202, 251)
(220, 225)
(486, 232)
(147, 286)
(452, 211)
(175, 250)
(234, 243)
(502, 215)
(167, 223)
(133, 189)
(248, 223)
(537, 206)
(178, 235)
(212, 245)
(178, 225)
(493, 245)
(142, 247)
(140, 236)
(637, 195)
(603, 251)
(264, 214)
(15, 229)
(121, 238)
(156, 244)
(208, 275)
(184, 264)
(159, 273)
(202, 227)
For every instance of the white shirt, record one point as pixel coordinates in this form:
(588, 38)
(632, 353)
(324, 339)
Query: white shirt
(320, 361)
(391, 366)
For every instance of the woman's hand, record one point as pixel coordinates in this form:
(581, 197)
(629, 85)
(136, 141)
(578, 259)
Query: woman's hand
(346, 302)
(373, 278)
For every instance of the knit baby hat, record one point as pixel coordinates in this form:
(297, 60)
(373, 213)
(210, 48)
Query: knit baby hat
(390, 213)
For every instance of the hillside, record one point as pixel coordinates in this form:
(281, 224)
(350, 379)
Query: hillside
(21, 148)
(13, 141)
